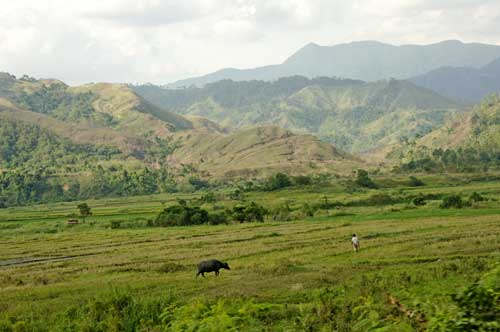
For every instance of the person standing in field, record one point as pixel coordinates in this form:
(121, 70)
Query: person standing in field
(355, 242)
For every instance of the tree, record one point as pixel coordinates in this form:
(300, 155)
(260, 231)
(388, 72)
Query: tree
(363, 180)
(248, 213)
(278, 181)
(85, 210)
(452, 201)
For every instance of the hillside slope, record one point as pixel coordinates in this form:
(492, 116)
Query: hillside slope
(260, 150)
(353, 115)
(463, 84)
(470, 139)
(131, 131)
(364, 60)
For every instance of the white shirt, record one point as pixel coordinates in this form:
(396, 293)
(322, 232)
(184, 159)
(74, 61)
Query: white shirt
(355, 240)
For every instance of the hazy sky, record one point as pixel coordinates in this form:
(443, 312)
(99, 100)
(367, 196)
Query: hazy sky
(161, 41)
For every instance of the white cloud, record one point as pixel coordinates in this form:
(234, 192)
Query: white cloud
(164, 40)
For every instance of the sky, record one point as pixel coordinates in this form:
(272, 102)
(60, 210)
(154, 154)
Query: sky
(161, 41)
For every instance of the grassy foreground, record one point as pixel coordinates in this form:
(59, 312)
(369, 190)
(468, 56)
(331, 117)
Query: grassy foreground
(285, 276)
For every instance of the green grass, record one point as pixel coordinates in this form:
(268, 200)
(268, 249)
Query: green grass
(419, 255)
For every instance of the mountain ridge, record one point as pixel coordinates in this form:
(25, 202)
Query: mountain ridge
(364, 60)
(338, 111)
(463, 84)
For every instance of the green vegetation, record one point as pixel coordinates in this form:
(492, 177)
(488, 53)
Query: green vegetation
(477, 307)
(452, 201)
(353, 115)
(363, 180)
(53, 136)
(469, 143)
(421, 268)
(85, 210)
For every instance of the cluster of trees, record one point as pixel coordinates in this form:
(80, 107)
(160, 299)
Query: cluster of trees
(30, 146)
(453, 160)
(183, 214)
(35, 186)
(56, 101)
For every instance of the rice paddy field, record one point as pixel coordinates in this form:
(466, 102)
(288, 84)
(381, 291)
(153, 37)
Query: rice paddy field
(116, 273)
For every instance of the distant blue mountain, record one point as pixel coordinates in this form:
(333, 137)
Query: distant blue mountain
(463, 84)
(364, 60)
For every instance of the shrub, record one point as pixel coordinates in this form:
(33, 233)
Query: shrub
(452, 201)
(217, 218)
(308, 210)
(181, 215)
(381, 199)
(363, 180)
(419, 201)
(248, 213)
(414, 182)
(475, 197)
(277, 181)
(478, 308)
(208, 198)
(198, 183)
(237, 195)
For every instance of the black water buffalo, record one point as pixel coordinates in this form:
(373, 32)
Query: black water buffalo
(212, 265)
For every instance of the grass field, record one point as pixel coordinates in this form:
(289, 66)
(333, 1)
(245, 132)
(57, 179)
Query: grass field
(290, 271)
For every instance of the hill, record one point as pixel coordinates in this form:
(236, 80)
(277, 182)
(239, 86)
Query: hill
(463, 84)
(260, 150)
(470, 140)
(59, 142)
(353, 115)
(364, 60)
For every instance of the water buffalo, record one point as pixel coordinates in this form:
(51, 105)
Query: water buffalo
(212, 265)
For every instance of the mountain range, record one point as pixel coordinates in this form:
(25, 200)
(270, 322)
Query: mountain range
(363, 60)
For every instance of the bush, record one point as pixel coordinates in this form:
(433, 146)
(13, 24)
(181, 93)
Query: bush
(475, 197)
(381, 199)
(452, 201)
(198, 183)
(363, 180)
(419, 200)
(308, 210)
(181, 215)
(248, 213)
(414, 182)
(237, 195)
(208, 198)
(478, 308)
(277, 181)
(217, 218)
